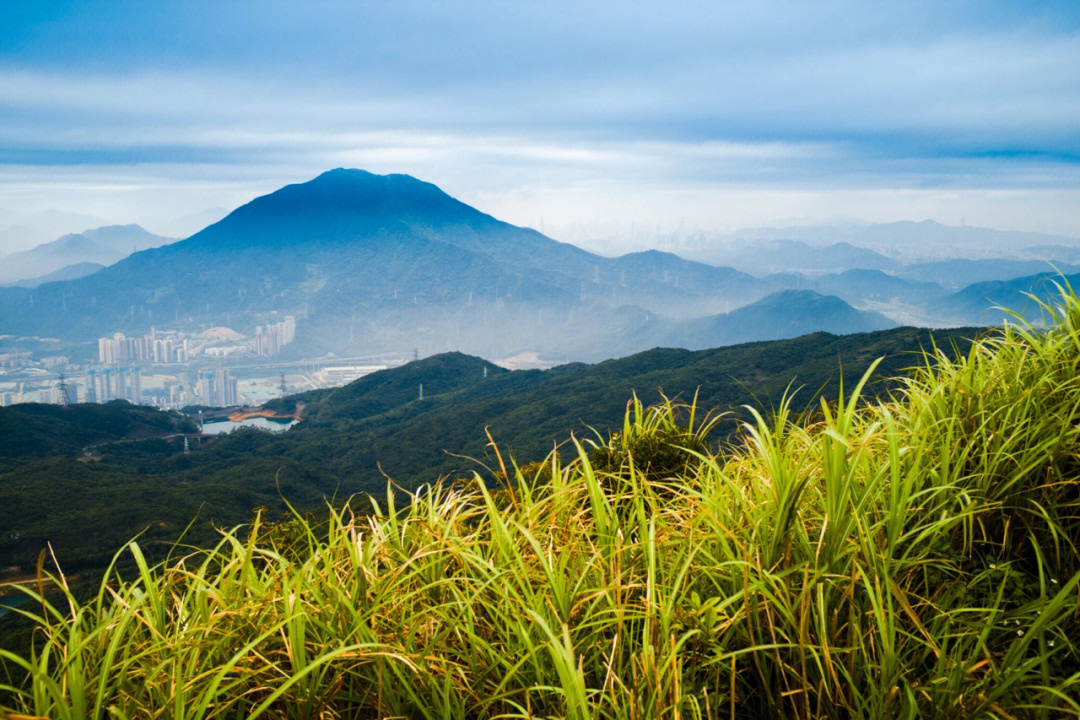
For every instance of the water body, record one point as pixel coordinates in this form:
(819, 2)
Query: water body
(218, 427)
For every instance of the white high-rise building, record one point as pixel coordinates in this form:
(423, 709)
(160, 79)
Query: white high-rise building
(136, 386)
(270, 339)
(118, 349)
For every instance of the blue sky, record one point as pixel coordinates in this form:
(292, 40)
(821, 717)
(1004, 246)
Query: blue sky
(585, 116)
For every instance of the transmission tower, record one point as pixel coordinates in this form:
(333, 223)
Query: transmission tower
(281, 385)
(62, 388)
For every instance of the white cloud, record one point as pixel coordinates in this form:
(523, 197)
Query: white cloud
(723, 114)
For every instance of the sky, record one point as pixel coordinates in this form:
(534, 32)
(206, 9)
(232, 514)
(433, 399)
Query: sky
(589, 120)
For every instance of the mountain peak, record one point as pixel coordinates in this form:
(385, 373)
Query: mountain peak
(357, 175)
(354, 180)
(345, 203)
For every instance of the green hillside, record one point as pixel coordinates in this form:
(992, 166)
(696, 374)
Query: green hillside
(33, 430)
(907, 556)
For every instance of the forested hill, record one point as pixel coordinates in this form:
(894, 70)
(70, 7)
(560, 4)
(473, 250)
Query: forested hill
(527, 411)
(35, 430)
(356, 437)
(376, 393)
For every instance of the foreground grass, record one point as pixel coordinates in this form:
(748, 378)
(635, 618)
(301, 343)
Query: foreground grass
(915, 557)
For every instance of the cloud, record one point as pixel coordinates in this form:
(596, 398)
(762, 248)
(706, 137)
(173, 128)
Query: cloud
(688, 97)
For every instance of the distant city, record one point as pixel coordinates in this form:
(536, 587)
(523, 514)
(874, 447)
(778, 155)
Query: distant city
(176, 347)
(172, 369)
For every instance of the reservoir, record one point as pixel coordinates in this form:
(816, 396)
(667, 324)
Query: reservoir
(218, 427)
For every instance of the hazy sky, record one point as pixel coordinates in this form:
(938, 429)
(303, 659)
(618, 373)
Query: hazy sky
(587, 115)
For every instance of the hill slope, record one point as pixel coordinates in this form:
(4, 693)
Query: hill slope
(68, 272)
(32, 430)
(980, 303)
(103, 246)
(784, 314)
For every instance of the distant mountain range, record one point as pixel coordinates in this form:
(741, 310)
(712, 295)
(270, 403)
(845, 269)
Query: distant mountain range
(68, 272)
(782, 255)
(375, 263)
(24, 230)
(13, 237)
(903, 241)
(955, 274)
(785, 314)
(101, 246)
(989, 303)
(369, 262)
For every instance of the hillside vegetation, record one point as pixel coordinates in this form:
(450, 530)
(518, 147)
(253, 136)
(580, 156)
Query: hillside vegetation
(30, 430)
(900, 558)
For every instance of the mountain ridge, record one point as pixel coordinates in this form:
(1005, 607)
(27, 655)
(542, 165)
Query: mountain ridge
(68, 272)
(382, 263)
(103, 245)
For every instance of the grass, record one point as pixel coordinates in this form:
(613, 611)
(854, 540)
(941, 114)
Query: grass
(913, 557)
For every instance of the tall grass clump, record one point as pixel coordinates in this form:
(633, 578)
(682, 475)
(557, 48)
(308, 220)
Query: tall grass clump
(914, 556)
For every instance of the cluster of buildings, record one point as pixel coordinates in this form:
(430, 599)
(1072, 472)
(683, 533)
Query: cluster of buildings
(269, 339)
(51, 396)
(102, 384)
(336, 375)
(113, 383)
(218, 388)
(175, 348)
(119, 349)
(125, 369)
(120, 378)
(15, 359)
